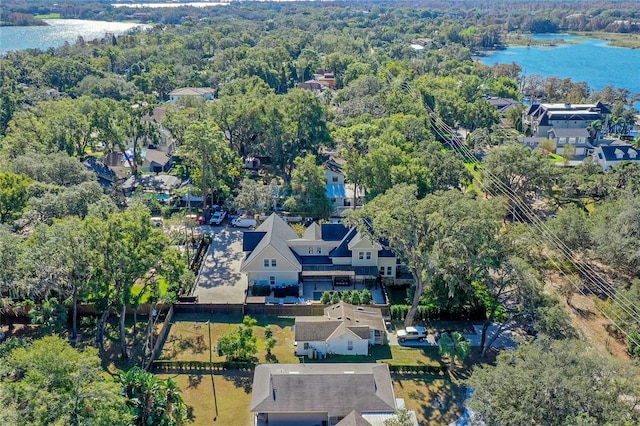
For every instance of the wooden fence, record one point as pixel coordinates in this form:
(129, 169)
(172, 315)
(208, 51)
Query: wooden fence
(257, 309)
(208, 308)
(162, 337)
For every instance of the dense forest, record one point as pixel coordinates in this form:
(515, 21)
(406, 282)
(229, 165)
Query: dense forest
(518, 15)
(484, 224)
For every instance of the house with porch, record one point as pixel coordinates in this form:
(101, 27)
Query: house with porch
(324, 257)
(344, 329)
(323, 394)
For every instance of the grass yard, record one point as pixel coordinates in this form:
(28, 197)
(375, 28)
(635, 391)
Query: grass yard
(188, 338)
(435, 401)
(233, 394)
(48, 16)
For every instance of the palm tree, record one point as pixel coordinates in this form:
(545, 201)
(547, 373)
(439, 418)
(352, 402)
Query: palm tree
(153, 401)
(454, 345)
(594, 128)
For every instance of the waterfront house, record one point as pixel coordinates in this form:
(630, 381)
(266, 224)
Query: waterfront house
(540, 118)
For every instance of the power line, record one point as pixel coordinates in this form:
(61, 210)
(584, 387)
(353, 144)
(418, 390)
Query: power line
(545, 234)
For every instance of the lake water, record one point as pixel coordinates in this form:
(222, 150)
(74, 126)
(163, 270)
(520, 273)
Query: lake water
(58, 31)
(589, 60)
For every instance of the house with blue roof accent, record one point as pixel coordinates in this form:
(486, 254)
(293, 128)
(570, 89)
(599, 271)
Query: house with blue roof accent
(326, 254)
(343, 195)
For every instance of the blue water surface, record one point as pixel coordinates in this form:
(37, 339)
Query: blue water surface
(590, 60)
(57, 33)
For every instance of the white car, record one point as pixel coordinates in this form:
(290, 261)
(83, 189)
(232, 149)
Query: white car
(217, 218)
(412, 333)
(244, 222)
(157, 221)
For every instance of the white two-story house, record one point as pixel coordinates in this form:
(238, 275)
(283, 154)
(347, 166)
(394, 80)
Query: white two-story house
(327, 253)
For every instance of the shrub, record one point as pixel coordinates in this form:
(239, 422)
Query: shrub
(326, 298)
(260, 290)
(355, 298)
(365, 297)
(335, 297)
(268, 332)
(633, 343)
(346, 296)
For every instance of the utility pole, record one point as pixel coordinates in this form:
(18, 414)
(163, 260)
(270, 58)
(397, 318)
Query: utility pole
(213, 384)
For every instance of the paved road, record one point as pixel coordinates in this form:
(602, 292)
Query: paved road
(220, 280)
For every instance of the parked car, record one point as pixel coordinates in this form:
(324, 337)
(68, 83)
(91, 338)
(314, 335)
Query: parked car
(217, 218)
(412, 333)
(158, 221)
(244, 222)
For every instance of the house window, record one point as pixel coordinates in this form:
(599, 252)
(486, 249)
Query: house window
(272, 280)
(381, 270)
(334, 179)
(306, 345)
(360, 255)
(349, 345)
(388, 270)
(310, 250)
(318, 250)
(367, 255)
(266, 263)
(273, 263)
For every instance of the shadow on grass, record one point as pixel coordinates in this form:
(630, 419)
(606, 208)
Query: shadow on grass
(271, 358)
(239, 380)
(195, 380)
(233, 319)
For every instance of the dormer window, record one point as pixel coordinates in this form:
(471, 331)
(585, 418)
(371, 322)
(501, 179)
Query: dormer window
(619, 154)
(632, 153)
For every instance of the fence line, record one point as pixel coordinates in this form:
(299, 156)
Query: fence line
(160, 340)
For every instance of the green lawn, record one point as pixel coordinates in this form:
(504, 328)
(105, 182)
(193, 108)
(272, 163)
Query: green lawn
(435, 401)
(556, 158)
(233, 397)
(48, 16)
(188, 338)
(137, 288)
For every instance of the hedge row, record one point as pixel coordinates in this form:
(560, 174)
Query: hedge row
(433, 313)
(201, 365)
(418, 369)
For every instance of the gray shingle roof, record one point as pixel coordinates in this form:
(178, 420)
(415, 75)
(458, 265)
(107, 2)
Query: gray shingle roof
(356, 315)
(353, 419)
(315, 329)
(337, 389)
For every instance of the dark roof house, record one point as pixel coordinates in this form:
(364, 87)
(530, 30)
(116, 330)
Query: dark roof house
(313, 394)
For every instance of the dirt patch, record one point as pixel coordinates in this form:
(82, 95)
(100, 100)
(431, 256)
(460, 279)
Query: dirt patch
(589, 321)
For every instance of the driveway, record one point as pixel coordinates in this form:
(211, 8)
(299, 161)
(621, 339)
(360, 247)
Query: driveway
(220, 280)
(505, 340)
